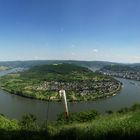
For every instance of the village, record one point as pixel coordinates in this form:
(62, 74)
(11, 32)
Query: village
(80, 88)
(128, 74)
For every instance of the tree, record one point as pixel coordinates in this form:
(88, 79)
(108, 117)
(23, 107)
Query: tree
(29, 122)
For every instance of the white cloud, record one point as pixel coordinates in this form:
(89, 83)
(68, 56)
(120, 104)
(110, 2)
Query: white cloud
(95, 50)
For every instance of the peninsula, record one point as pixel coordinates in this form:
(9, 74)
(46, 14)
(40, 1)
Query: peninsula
(43, 83)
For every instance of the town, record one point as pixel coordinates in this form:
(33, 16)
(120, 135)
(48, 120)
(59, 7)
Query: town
(126, 73)
(94, 88)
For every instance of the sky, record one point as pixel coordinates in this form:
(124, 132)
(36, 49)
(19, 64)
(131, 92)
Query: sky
(105, 30)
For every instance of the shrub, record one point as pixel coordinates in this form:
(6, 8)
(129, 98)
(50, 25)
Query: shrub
(78, 117)
(28, 122)
(109, 112)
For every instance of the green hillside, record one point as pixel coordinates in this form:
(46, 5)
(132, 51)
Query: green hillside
(62, 68)
(43, 82)
(58, 72)
(123, 124)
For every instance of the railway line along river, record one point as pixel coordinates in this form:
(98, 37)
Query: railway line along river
(14, 106)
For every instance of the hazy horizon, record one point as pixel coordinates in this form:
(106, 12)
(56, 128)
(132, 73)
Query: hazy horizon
(83, 30)
(68, 60)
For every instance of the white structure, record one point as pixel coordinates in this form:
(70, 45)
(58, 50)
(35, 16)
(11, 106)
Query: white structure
(62, 94)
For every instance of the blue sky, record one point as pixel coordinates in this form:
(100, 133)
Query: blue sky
(106, 30)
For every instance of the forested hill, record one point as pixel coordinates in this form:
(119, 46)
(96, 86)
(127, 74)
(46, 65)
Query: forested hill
(62, 72)
(117, 68)
(58, 69)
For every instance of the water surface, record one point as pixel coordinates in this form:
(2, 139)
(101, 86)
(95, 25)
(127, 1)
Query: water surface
(15, 106)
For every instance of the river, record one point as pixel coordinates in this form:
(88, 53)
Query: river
(14, 106)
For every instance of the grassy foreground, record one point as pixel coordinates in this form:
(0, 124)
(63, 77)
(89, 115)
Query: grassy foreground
(124, 124)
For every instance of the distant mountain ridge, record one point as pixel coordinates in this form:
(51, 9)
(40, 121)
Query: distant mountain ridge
(93, 65)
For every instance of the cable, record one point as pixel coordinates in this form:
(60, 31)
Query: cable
(48, 106)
